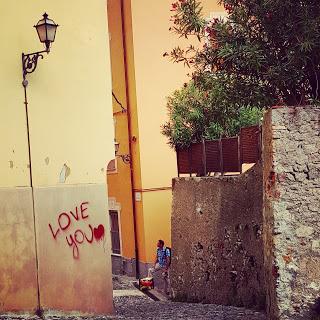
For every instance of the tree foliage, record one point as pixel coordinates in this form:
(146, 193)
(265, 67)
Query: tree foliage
(272, 44)
(195, 114)
(265, 52)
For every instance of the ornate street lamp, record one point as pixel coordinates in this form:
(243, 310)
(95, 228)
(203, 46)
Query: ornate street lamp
(46, 29)
(126, 158)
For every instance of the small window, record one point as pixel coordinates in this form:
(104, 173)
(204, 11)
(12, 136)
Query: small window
(114, 231)
(112, 166)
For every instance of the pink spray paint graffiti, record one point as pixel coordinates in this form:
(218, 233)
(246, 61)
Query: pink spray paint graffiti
(74, 239)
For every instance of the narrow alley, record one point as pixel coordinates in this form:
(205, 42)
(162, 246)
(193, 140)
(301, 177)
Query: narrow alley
(142, 307)
(130, 303)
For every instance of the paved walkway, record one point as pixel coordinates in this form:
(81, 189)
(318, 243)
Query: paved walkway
(142, 307)
(130, 303)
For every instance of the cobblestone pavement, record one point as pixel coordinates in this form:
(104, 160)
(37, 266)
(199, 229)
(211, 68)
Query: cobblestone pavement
(144, 308)
(122, 282)
(131, 303)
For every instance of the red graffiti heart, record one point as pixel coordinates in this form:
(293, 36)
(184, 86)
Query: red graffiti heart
(98, 232)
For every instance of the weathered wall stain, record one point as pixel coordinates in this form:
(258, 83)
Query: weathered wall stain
(64, 173)
(18, 288)
(217, 240)
(75, 238)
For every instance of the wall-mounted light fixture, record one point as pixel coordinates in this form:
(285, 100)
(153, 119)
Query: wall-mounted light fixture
(126, 158)
(46, 29)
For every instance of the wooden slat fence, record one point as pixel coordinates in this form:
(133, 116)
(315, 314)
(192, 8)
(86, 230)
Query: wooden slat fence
(222, 155)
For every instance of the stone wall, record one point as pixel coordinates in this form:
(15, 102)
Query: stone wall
(291, 160)
(217, 240)
(268, 222)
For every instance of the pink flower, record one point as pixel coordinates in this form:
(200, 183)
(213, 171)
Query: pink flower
(174, 5)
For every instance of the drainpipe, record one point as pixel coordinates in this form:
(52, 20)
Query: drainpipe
(134, 211)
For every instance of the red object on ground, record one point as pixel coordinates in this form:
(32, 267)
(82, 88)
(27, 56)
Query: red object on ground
(146, 283)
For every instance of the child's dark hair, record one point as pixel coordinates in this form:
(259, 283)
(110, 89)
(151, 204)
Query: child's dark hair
(161, 242)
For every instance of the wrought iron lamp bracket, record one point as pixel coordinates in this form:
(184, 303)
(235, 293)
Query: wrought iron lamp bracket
(126, 158)
(29, 64)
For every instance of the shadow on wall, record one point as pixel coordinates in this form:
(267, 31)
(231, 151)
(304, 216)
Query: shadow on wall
(217, 240)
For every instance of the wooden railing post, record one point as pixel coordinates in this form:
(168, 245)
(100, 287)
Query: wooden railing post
(177, 155)
(260, 142)
(239, 153)
(190, 159)
(221, 156)
(204, 157)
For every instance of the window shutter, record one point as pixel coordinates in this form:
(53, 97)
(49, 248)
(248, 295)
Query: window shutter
(114, 231)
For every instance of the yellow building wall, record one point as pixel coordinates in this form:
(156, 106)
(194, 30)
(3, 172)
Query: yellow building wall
(120, 185)
(60, 93)
(123, 82)
(157, 215)
(132, 96)
(71, 133)
(14, 148)
(70, 95)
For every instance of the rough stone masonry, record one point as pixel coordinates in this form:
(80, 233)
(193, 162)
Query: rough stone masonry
(291, 159)
(217, 240)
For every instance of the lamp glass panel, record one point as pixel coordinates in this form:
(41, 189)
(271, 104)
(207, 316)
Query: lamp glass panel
(51, 29)
(41, 29)
(42, 21)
